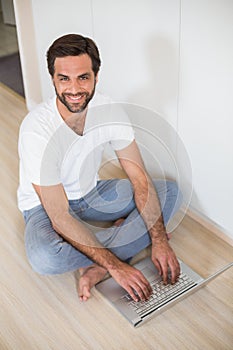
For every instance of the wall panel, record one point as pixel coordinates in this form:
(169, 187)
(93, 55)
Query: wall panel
(206, 105)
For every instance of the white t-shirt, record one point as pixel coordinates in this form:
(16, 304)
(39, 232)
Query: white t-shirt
(51, 153)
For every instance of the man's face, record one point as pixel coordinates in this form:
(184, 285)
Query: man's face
(74, 82)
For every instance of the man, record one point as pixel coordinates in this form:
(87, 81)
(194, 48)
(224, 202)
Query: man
(60, 153)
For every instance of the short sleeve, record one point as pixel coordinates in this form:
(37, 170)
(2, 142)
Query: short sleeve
(113, 123)
(123, 136)
(39, 159)
(122, 133)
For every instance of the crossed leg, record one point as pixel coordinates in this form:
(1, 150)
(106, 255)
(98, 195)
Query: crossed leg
(93, 274)
(49, 253)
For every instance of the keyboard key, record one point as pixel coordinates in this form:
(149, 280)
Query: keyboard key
(161, 293)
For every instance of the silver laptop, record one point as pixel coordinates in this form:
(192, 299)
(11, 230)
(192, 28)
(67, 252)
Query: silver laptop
(163, 296)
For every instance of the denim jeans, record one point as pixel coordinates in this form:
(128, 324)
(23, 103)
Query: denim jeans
(49, 253)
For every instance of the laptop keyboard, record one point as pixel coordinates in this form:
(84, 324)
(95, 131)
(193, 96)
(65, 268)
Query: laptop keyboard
(161, 294)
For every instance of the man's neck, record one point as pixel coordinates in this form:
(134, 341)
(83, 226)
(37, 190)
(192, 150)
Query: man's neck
(76, 121)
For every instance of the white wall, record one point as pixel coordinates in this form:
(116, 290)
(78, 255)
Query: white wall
(139, 65)
(206, 105)
(52, 19)
(172, 56)
(140, 51)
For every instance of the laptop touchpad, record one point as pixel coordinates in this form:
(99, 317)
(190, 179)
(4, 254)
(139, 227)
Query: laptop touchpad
(147, 272)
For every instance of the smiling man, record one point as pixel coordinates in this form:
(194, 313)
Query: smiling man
(61, 143)
(66, 88)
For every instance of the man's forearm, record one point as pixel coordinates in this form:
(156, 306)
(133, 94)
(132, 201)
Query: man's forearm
(55, 202)
(85, 241)
(147, 202)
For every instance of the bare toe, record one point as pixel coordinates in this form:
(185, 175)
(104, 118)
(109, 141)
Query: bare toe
(84, 289)
(89, 277)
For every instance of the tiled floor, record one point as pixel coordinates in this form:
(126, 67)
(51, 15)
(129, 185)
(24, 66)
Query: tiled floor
(8, 38)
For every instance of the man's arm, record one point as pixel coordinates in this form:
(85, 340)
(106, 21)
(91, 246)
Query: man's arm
(55, 202)
(148, 205)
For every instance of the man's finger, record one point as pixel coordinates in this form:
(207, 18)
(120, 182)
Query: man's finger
(175, 271)
(133, 294)
(157, 265)
(139, 290)
(145, 290)
(164, 267)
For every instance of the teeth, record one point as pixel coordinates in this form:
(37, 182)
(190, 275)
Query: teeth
(75, 98)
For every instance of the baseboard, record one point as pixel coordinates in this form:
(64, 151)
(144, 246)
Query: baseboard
(210, 225)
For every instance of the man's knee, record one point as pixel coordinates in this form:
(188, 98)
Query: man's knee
(174, 193)
(124, 189)
(168, 189)
(43, 259)
(170, 197)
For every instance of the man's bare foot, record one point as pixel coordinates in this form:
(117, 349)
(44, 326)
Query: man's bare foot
(89, 276)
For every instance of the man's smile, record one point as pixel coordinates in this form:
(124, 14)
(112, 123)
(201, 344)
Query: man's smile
(74, 98)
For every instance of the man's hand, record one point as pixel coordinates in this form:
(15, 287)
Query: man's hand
(163, 258)
(132, 280)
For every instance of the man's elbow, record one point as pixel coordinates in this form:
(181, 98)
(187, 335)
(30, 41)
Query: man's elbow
(60, 221)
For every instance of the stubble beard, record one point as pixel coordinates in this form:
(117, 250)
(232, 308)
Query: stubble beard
(76, 107)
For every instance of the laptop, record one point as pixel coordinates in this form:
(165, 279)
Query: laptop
(163, 296)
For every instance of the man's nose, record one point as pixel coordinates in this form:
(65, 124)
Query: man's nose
(75, 86)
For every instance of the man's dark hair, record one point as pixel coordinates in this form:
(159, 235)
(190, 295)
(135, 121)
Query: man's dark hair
(73, 45)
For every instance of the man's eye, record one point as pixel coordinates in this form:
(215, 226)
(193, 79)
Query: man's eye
(84, 77)
(64, 79)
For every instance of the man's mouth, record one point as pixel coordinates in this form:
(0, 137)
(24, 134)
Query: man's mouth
(74, 98)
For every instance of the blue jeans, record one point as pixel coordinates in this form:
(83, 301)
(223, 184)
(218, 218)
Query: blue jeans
(49, 253)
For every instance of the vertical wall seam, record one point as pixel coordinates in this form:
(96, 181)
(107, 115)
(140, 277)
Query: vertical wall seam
(92, 19)
(179, 77)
